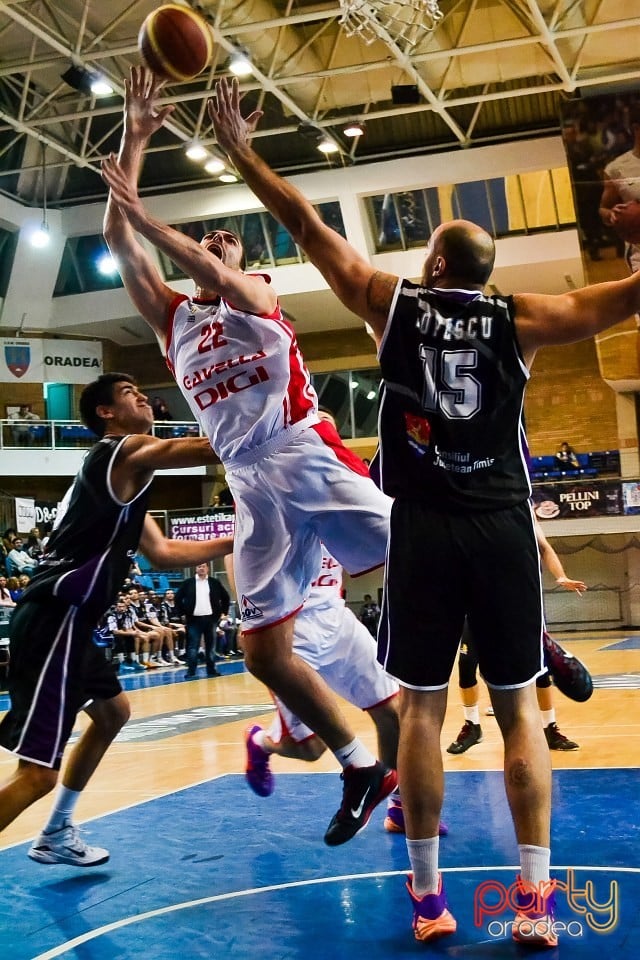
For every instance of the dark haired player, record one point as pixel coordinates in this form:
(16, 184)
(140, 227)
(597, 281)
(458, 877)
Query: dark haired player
(56, 670)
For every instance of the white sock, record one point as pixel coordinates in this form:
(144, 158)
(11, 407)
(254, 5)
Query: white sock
(548, 716)
(258, 739)
(423, 856)
(354, 754)
(63, 807)
(472, 713)
(534, 863)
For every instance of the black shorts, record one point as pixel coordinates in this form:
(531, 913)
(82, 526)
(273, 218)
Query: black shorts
(442, 567)
(55, 670)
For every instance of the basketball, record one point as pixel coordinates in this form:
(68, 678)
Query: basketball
(627, 224)
(175, 42)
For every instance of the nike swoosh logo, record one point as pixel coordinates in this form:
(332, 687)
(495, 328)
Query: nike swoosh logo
(358, 810)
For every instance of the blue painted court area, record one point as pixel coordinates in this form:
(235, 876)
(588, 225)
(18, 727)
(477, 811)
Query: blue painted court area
(627, 643)
(213, 871)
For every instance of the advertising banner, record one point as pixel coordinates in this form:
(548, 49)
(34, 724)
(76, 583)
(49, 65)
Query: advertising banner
(49, 361)
(25, 514)
(585, 499)
(207, 524)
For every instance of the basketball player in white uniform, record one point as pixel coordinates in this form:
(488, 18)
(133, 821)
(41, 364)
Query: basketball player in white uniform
(238, 365)
(330, 638)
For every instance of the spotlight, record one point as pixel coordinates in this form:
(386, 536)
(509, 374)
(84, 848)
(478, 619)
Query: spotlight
(354, 129)
(214, 165)
(86, 81)
(327, 145)
(101, 87)
(228, 178)
(40, 237)
(195, 151)
(371, 395)
(107, 265)
(240, 64)
(354, 384)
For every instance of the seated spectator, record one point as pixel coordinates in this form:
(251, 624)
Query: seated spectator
(19, 561)
(170, 616)
(370, 614)
(22, 433)
(566, 458)
(5, 596)
(15, 590)
(34, 545)
(160, 409)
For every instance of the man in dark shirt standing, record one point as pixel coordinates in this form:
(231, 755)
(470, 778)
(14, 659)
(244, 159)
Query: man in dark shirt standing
(202, 599)
(56, 670)
(455, 364)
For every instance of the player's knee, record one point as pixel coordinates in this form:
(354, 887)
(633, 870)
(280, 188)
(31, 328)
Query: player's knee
(41, 779)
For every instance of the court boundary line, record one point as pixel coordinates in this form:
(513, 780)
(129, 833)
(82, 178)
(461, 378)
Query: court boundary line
(252, 891)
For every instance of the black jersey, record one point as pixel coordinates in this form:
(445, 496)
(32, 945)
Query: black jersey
(451, 408)
(90, 549)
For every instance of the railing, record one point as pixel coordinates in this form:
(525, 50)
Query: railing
(71, 434)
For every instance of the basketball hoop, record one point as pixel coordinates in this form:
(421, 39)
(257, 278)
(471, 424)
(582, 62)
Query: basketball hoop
(404, 20)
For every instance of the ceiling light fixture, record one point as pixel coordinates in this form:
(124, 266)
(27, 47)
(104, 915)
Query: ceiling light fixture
(371, 395)
(214, 165)
(240, 65)
(327, 145)
(195, 151)
(353, 129)
(87, 81)
(228, 178)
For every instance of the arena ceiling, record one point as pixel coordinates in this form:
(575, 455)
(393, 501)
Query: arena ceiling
(491, 70)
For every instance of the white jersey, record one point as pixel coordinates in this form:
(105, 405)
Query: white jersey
(242, 375)
(326, 589)
(625, 170)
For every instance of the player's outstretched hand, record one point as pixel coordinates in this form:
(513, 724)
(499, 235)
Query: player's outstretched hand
(232, 130)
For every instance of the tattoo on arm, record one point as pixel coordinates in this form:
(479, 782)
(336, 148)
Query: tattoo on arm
(380, 290)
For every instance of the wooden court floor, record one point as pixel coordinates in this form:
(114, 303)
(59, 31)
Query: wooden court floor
(182, 733)
(200, 867)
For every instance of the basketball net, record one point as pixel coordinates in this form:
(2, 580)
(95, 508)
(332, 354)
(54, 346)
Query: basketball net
(407, 21)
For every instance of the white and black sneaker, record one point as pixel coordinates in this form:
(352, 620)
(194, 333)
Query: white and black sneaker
(66, 846)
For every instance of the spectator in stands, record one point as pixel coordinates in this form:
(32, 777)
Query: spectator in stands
(566, 458)
(19, 561)
(5, 596)
(148, 639)
(170, 615)
(15, 590)
(22, 433)
(370, 614)
(120, 621)
(166, 655)
(160, 409)
(34, 545)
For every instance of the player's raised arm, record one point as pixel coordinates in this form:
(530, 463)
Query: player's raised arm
(365, 291)
(543, 320)
(142, 281)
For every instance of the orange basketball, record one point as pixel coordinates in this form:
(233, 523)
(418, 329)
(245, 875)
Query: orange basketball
(175, 42)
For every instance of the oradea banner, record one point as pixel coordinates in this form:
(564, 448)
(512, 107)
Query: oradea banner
(49, 361)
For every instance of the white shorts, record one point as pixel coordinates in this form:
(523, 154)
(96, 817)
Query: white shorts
(340, 648)
(286, 503)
